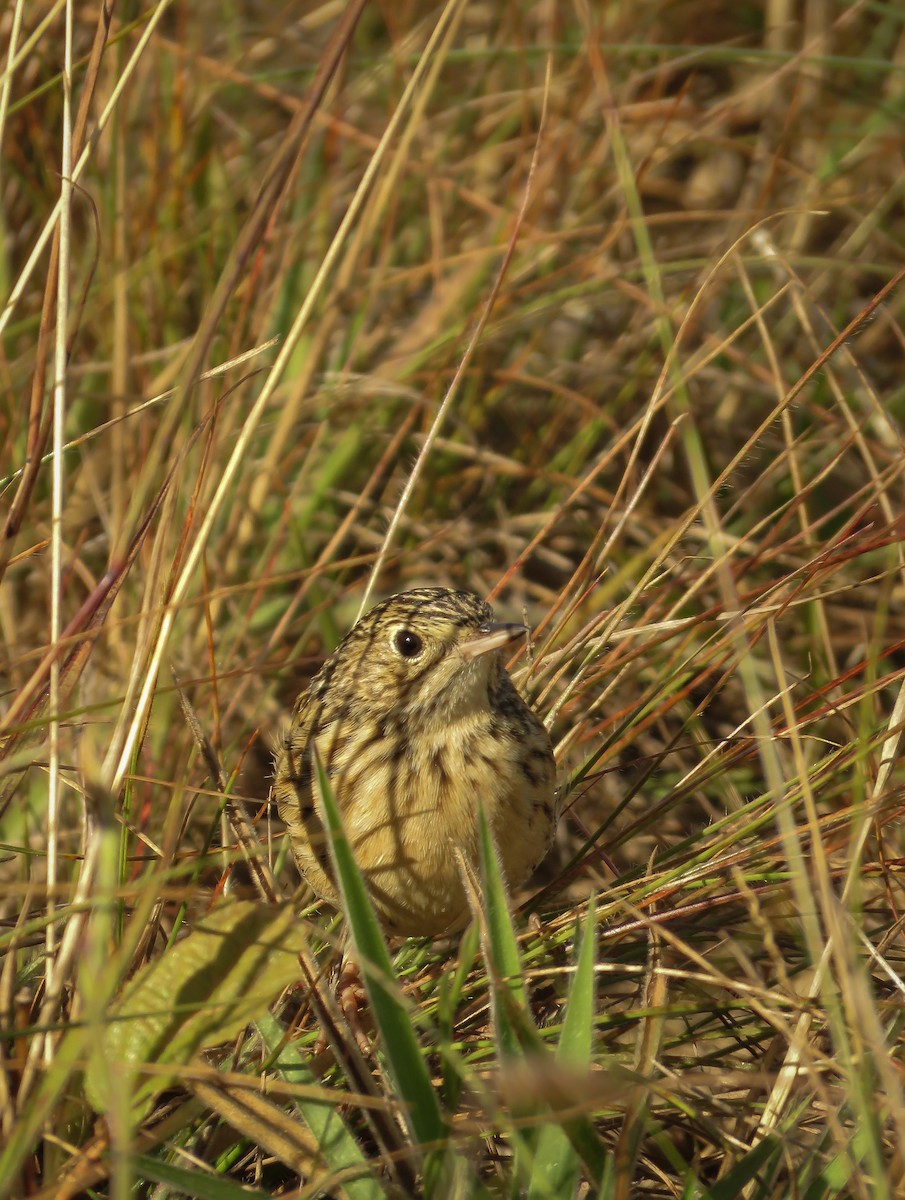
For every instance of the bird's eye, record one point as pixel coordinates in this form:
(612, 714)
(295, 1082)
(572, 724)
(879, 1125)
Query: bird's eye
(408, 644)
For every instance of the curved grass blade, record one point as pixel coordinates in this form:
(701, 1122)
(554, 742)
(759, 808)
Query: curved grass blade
(200, 1184)
(517, 1036)
(512, 1020)
(746, 1170)
(514, 1028)
(450, 988)
(337, 1146)
(556, 1162)
(405, 1062)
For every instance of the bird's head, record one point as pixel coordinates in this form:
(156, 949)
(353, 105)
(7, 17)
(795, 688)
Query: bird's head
(428, 651)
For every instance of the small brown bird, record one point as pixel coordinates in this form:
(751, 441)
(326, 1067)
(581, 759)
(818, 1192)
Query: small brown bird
(418, 724)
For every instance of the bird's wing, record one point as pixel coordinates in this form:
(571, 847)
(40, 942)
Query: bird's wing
(292, 783)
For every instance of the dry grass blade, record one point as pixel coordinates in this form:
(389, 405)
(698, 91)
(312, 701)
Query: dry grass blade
(252, 850)
(387, 1132)
(655, 993)
(39, 421)
(470, 349)
(262, 1122)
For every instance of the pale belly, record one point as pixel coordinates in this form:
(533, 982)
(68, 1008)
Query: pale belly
(411, 816)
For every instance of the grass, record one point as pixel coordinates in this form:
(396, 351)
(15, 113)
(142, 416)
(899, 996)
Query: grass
(594, 310)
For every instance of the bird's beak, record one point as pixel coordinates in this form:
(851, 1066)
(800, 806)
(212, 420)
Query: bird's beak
(489, 637)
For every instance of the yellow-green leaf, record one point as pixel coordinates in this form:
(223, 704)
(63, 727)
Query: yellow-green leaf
(199, 993)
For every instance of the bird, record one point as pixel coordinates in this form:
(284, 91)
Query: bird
(418, 725)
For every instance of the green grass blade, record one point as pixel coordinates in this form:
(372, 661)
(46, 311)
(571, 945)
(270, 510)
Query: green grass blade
(510, 1000)
(450, 988)
(746, 1170)
(200, 1184)
(556, 1162)
(339, 1148)
(513, 1026)
(406, 1065)
(577, 1030)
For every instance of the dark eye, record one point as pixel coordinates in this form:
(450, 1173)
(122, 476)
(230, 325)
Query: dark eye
(408, 644)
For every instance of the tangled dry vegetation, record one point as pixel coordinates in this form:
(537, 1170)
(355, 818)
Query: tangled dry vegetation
(592, 309)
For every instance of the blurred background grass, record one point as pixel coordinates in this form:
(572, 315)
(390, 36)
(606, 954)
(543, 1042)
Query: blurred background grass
(675, 447)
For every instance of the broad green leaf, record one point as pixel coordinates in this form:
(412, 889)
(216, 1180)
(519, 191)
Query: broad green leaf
(199, 993)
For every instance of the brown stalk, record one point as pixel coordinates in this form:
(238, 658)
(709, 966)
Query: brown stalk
(39, 420)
